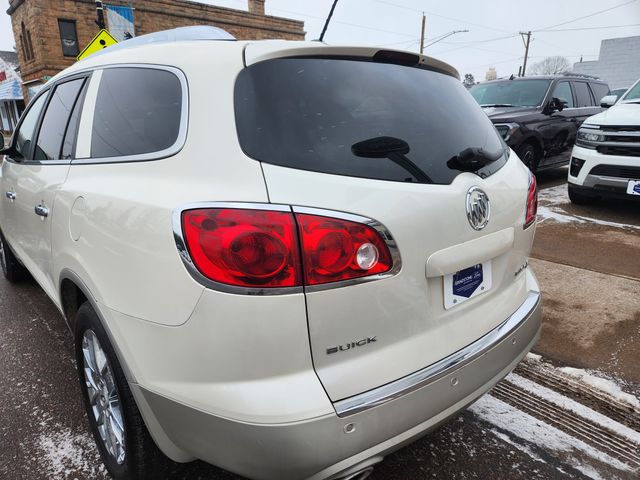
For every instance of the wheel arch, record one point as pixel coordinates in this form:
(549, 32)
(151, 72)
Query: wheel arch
(73, 293)
(536, 142)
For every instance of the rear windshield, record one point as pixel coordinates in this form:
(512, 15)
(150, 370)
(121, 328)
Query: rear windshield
(362, 119)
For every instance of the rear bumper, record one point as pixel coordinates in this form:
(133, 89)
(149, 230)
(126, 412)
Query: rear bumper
(380, 421)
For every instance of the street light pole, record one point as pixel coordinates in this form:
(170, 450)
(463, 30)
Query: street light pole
(445, 36)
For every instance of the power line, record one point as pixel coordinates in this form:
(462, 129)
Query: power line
(592, 28)
(405, 7)
(344, 23)
(585, 16)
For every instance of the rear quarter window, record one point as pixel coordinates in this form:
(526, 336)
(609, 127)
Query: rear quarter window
(310, 113)
(137, 111)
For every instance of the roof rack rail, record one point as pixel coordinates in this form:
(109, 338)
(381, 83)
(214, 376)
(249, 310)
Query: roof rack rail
(576, 74)
(198, 32)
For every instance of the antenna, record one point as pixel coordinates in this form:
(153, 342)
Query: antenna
(326, 24)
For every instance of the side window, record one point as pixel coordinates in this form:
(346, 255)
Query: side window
(69, 143)
(599, 90)
(583, 95)
(137, 111)
(563, 90)
(55, 120)
(25, 134)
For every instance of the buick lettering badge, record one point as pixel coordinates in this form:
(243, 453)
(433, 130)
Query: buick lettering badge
(478, 208)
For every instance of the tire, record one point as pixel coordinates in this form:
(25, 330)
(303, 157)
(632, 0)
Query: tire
(579, 198)
(12, 269)
(136, 457)
(529, 156)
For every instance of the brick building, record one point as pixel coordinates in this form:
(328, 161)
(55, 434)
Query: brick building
(618, 63)
(50, 33)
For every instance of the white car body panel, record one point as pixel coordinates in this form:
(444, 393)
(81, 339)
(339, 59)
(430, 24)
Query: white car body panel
(406, 312)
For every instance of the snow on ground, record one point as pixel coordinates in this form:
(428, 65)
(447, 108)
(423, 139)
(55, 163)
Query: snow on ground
(64, 453)
(546, 437)
(571, 405)
(605, 385)
(550, 202)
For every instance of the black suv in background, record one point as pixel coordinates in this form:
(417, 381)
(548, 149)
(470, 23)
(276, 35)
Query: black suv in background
(539, 116)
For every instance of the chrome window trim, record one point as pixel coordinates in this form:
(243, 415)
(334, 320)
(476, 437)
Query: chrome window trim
(170, 151)
(403, 386)
(183, 251)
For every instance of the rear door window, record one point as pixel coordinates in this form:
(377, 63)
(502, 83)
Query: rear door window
(137, 111)
(315, 113)
(583, 95)
(563, 91)
(56, 119)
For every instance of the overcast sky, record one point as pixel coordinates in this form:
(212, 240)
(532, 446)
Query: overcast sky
(492, 40)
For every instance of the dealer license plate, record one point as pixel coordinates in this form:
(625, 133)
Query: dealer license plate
(465, 284)
(633, 187)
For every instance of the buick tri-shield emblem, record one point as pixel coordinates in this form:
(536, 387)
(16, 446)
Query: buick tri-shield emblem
(478, 208)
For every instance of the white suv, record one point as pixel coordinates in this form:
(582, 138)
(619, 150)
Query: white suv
(285, 259)
(605, 161)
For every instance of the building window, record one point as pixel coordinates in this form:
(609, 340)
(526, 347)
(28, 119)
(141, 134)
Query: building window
(68, 38)
(25, 40)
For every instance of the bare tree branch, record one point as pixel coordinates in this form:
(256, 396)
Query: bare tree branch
(550, 66)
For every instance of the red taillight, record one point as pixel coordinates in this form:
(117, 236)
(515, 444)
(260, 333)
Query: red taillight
(532, 202)
(335, 249)
(260, 248)
(249, 248)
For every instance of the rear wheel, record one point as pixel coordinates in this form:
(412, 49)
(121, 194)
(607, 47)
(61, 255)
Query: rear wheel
(580, 198)
(529, 156)
(125, 445)
(12, 270)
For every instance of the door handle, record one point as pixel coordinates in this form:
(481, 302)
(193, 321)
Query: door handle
(42, 211)
(11, 195)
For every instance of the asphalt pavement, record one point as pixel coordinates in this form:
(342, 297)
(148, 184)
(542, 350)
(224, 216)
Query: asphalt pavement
(543, 422)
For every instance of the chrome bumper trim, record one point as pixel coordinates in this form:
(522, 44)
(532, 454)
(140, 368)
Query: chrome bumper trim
(593, 180)
(416, 380)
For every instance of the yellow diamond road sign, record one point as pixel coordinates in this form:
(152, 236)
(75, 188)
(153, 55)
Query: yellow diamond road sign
(102, 40)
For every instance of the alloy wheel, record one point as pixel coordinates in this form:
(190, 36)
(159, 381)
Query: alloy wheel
(103, 396)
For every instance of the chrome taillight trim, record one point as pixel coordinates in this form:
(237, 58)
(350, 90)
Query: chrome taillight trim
(434, 372)
(183, 251)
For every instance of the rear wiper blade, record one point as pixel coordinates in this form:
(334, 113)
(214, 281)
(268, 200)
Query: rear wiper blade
(497, 105)
(473, 159)
(395, 149)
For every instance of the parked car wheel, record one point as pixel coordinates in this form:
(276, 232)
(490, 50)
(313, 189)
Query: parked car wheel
(12, 270)
(529, 156)
(125, 445)
(580, 198)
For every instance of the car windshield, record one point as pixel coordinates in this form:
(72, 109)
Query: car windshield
(365, 119)
(633, 95)
(516, 93)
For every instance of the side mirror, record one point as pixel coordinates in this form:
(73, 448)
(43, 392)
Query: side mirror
(608, 101)
(557, 104)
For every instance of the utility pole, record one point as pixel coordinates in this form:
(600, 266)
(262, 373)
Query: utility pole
(100, 12)
(526, 49)
(424, 21)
